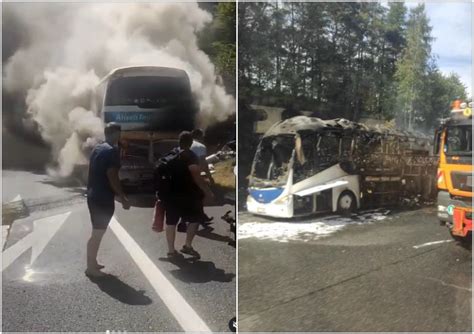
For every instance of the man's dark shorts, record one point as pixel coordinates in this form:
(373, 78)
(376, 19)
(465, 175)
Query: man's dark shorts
(188, 210)
(101, 212)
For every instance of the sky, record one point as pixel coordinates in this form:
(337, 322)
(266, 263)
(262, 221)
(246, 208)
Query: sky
(452, 29)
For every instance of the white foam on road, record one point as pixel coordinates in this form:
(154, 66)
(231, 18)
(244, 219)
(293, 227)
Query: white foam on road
(304, 231)
(188, 319)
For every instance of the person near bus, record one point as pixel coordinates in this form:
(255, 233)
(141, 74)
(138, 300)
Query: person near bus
(200, 150)
(188, 190)
(102, 187)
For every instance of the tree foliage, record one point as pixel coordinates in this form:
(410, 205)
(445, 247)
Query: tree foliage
(343, 59)
(218, 40)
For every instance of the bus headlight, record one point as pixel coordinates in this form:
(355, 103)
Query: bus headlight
(251, 200)
(284, 200)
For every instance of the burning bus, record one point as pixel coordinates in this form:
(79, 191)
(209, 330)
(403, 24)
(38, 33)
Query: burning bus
(153, 105)
(306, 165)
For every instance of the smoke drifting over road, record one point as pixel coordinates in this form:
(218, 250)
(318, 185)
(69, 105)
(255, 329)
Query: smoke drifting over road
(64, 49)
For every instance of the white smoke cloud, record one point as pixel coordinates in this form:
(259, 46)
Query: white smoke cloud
(70, 46)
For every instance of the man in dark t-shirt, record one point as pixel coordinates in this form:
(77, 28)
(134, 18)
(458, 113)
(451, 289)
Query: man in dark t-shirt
(102, 186)
(187, 192)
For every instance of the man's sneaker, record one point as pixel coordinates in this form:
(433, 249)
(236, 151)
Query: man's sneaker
(172, 254)
(182, 227)
(190, 251)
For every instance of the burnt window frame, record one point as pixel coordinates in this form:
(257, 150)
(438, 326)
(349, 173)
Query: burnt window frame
(336, 155)
(344, 136)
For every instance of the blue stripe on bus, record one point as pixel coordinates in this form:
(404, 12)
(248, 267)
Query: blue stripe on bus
(266, 195)
(130, 116)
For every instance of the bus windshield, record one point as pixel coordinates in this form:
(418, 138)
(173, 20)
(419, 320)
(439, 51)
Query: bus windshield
(147, 91)
(459, 140)
(272, 160)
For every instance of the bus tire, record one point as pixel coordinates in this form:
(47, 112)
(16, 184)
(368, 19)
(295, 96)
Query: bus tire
(346, 203)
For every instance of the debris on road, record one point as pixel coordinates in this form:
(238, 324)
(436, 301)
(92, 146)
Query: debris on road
(14, 210)
(308, 230)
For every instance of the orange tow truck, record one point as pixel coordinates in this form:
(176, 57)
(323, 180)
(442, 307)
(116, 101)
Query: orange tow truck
(454, 178)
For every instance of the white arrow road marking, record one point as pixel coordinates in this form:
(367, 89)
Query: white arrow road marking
(431, 243)
(178, 306)
(16, 199)
(43, 231)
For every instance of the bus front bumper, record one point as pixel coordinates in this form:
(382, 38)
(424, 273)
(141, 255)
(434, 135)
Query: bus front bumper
(139, 179)
(280, 209)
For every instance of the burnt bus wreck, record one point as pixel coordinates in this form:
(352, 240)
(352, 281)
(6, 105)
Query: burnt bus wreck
(305, 165)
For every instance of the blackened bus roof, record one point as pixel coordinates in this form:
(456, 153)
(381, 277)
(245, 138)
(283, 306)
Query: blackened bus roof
(305, 123)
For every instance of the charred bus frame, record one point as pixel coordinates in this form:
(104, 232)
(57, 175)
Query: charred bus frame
(306, 165)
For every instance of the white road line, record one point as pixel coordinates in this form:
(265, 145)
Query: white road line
(178, 306)
(431, 243)
(447, 284)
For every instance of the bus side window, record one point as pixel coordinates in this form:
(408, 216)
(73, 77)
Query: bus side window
(308, 149)
(392, 144)
(363, 145)
(328, 148)
(377, 144)
(304, 171)
(346, 148)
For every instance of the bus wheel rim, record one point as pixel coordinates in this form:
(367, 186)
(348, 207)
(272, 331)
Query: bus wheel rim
(346, 201)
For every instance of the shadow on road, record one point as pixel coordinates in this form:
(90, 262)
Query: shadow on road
(138, 200)
(192, 271)
(209, 234)
(121, 291)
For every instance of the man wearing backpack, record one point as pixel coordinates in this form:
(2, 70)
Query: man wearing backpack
(182, 190)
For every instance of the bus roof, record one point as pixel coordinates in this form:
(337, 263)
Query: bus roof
(304, 123)
(133, 71)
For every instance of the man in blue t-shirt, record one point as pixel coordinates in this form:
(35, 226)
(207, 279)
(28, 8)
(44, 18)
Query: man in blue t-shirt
(102, 186)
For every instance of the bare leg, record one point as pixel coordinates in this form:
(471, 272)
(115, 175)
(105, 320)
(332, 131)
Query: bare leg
(92, 249)
(190, 233)
(170, 237)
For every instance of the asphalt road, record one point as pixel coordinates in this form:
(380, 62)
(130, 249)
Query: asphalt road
(378, 273)
(53, 294)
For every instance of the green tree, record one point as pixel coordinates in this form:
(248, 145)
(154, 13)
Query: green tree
(343, 59)
(412, 69)
(218, 41)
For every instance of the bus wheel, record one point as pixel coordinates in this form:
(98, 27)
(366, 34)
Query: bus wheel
(346, 204)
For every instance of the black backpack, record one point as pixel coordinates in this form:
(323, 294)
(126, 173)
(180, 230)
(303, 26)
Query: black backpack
(164, 173)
